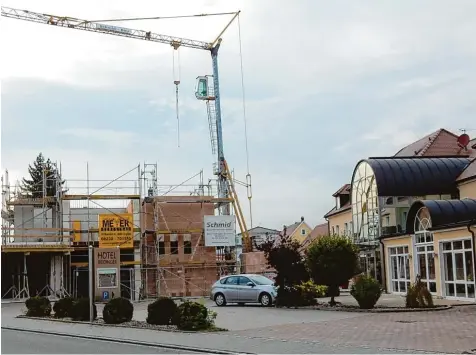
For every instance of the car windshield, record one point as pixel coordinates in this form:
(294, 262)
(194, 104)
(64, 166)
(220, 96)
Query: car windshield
(261, 280)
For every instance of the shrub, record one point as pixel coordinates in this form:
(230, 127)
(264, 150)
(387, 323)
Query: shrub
(161, 311)
(286, 258)
(80, 310)
(309, 291)
(332, 261)
(118, 310)
(63, 307)
(366, 291)
(194, 316)
(418, 296)
(38, 306)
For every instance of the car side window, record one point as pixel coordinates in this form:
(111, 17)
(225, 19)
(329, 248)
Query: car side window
(243, 281)
(232, 280)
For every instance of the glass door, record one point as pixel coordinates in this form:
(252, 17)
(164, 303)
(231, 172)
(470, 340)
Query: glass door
(399, 269)
(458, 269)
(426, 266)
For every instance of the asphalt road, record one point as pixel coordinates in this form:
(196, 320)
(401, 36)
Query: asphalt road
(15, 342)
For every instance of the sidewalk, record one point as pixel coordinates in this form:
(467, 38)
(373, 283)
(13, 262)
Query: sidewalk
(217, 341)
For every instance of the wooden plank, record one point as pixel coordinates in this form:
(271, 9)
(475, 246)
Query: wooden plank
(101, 197)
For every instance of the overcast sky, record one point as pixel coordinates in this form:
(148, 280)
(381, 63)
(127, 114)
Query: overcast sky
(327, 83)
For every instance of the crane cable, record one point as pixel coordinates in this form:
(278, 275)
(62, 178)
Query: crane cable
(248, 175)
(176, 82)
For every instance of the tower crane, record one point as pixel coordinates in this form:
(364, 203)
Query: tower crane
(207, 89)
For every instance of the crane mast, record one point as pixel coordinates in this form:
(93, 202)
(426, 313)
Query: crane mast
(206, 91)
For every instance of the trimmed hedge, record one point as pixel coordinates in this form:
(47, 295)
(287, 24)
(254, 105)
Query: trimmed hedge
(162, 311)
(80, 310)
(63, 307)
(38, 306)
(194, 316)
(118, 310)
(366, 291)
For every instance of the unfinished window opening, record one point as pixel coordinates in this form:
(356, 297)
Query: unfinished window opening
(187, 244)
(161, 247)
(174, 244)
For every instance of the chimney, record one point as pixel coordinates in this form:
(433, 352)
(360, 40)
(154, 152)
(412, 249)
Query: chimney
(302, 219)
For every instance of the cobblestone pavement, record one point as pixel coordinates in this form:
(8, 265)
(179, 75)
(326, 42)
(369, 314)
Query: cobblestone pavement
(451, 331)
(270, 330)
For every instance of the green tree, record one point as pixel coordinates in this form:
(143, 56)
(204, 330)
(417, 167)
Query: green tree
(33, 187)
(332, 261)
(284, 256)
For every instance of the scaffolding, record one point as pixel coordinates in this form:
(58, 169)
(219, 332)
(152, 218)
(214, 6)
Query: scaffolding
(64, 223)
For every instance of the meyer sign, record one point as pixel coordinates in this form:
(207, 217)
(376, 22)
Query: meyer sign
(116, 230)
(219, 231)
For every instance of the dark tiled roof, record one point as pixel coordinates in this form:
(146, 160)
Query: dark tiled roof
(444, 213)
(417, 176)
(335, 211)
(344, 190)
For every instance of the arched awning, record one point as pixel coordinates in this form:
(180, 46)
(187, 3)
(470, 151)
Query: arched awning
(416, 176)
(444, 213)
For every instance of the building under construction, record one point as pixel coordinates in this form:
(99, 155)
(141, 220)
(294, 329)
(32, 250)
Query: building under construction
(45, 239)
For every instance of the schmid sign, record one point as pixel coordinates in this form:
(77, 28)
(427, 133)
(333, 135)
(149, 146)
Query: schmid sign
(116, 230)
(219, 231)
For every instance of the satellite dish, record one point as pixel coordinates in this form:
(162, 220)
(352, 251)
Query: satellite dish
(463, 140)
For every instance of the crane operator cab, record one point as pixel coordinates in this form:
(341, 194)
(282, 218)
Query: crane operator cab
(204, 88)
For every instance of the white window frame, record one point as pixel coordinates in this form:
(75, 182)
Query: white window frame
(443, 282)
(303, 231)
(423, 238)
(406, 256)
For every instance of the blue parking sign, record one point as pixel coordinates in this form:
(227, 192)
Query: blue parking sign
(105, 295)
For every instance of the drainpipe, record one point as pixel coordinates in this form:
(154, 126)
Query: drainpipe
(473, 222)
(383, 263)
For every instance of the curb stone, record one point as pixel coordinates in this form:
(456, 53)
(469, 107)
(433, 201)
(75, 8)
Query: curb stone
(125, 341)
(377, 310)
(59, 320)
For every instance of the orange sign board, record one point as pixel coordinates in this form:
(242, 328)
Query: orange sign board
(116, 230)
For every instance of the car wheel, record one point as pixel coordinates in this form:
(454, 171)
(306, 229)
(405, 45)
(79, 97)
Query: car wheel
(265, 299)
(220, 299)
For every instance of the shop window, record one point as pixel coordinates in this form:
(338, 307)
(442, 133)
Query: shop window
(458, 269)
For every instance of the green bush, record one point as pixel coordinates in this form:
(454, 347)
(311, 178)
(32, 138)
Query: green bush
(309, 291)
(161, 311)
(366, 291)
(63, 307)
(418, 296)
(289, 296)
(80, 310)
(118, 310)
(194, 316)
(38, 307)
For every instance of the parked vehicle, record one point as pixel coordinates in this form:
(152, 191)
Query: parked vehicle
(244, 288)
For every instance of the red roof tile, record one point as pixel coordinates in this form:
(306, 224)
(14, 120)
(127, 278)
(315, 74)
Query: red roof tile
(439, 143)
(318, 231)
(469, 172)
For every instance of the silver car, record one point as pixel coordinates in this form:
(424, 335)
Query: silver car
(244, 288)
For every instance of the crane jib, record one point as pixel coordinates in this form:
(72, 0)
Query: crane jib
(109, 28)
